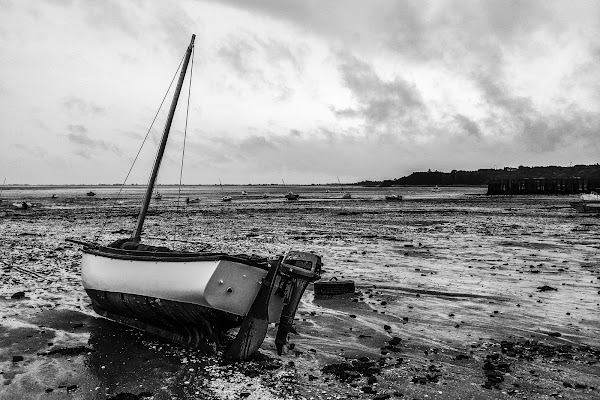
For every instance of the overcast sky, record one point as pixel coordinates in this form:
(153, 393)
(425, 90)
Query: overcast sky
(305, 91)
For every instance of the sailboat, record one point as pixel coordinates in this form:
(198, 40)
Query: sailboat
(290, 196)
(345, 195)
(588, 203)
(1, 189)
(195, 298)
(225, 197)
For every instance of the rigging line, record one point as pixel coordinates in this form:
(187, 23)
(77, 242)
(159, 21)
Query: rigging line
(138, 153)
(187, 113)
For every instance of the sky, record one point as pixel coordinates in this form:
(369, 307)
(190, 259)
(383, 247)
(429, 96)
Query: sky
(304, 92)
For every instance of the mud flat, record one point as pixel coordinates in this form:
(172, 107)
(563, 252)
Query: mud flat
(458, 297)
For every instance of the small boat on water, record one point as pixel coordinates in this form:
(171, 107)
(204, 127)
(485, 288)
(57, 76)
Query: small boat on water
(588, 203)
(191, 201)
(436, 189)
(226, 198)
(244, 193)
(194, 298)
(393, 197)
(158, 196)
(90, 194)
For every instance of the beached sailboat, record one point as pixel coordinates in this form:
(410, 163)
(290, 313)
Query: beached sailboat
(345, 195)
(588, 203)
(194, 298)
(393, 197)
(290, 196)
(225, 198)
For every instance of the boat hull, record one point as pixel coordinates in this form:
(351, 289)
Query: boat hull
(586, 207)
(190, 299)
(220, 283)
(188, 324)
(194, 298)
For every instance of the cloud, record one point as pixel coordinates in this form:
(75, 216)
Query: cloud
(468, 125)
(78, 106)
(78, 135)
(382, 104)
(263, 63)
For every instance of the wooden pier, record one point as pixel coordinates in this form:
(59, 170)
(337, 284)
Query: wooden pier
(541, 186)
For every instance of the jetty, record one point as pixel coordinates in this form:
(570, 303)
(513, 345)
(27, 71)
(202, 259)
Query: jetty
(541, 186)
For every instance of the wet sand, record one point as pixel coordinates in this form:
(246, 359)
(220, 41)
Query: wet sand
(458, 296)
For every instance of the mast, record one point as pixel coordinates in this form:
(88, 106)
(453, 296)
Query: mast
(136, 237)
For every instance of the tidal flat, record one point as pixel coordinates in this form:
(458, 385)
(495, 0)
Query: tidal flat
(458, 295)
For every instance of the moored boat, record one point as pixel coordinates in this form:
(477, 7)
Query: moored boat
(194, 298)
(292, 196)
(90, 194)
(393, 197)
(588, 203)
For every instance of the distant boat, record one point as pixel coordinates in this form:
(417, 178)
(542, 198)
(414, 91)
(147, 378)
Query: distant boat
(292, 196)
(588, 203)
(244, 193)
(22, 206)
(393, 197)
(224, 198)
(1, 189)
(346, 195)
(266, 196)
(189, 201)
(53, 196)
(193, 298)
(436, 189)
(158, 196)
(90, 194)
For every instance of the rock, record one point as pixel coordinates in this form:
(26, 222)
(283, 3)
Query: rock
(71, 388)
(17, 358)
(546, 288)
(387, 327)
(368, 390)
(554, 334)
(382, 396)
(18, 295)
(395, 341)
(251, 373)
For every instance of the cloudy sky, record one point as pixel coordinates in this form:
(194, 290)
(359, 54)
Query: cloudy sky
(305, 91)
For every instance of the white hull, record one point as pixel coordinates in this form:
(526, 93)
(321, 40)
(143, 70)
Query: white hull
(222, 285)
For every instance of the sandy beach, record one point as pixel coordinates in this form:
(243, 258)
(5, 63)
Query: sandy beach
(459, 296)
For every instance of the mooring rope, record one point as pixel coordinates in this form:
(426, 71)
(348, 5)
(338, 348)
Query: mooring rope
(137, 155)
(187, 112)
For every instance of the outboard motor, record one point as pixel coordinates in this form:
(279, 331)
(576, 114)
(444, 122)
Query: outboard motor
(297, 270)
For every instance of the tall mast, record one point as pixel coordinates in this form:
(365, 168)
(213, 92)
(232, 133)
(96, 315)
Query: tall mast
(144, 210)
